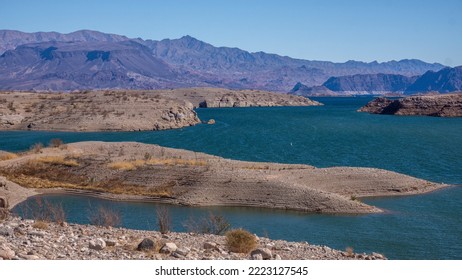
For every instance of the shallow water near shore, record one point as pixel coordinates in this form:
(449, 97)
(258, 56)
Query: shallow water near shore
(416, 227)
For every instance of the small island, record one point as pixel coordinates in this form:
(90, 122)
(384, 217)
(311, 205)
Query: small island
(441, 105)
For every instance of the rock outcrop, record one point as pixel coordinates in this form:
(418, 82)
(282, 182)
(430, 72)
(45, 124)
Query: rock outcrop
(263, 99)
(94, 111)
(303, 90)
(447, 105)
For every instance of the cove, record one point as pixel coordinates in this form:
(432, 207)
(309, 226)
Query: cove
(415, 227)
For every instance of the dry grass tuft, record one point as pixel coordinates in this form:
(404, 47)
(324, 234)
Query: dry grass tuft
(40, 225)
(177, 161)
(134, 164)
(240, 241)
(7, 156)
(58, 160)
(126, 165)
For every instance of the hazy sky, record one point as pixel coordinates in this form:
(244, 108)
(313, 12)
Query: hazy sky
(310, 29)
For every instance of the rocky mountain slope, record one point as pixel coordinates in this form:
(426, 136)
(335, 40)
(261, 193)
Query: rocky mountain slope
(445, 105)
(443, 81)
(177, 63)
(369, 83)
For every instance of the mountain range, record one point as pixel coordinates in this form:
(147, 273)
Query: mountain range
(442, 81)
(90, 60)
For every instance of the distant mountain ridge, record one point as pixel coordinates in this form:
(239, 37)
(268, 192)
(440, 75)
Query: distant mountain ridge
(169, 63)
(444, 81)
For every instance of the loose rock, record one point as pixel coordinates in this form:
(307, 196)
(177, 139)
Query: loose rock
(168, 248)
(97, 244)
(146, 245)
(264, 252)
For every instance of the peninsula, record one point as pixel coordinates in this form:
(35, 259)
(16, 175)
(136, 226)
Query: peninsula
(126, 110)
(135, 171)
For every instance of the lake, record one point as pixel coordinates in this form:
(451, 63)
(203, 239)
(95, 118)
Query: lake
(415, 227)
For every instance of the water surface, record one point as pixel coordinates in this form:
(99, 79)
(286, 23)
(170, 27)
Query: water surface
(416, 227)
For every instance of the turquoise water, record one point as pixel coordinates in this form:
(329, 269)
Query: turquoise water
(417, 227)
(330, 135)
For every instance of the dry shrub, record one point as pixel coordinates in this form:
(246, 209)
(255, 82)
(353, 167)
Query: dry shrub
(48, 212)
(212, 224)
(349, 251)
(58, 160)
(240, 241)
(55, 143)
(4, 208)
(105, 216)
(163, 219)
(7, 156)
(36, 148)
(4, 214)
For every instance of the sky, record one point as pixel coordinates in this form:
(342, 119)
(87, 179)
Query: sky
(332, 30)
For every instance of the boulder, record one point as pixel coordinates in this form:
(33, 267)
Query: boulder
(110, 242)
(97, 244)
(264, 252)
(6, 253)
(168, 248)
(258, 257)
(6, 231)
(210, 245)
(183, 251)
(146, 245)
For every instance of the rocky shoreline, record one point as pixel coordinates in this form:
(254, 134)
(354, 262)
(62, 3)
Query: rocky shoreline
(24, 240)
(126, 110)
(441, 105)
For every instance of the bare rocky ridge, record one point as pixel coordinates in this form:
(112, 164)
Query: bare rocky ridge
(20, 240)
(93, 111)
(446, 105)
(135, 171)
(125, 110)
(221, 98)
(89, 60)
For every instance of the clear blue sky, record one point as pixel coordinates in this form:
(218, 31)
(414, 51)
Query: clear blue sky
(310, 29)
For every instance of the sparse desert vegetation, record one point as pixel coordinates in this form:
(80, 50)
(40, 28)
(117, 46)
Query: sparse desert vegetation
(240, 241)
